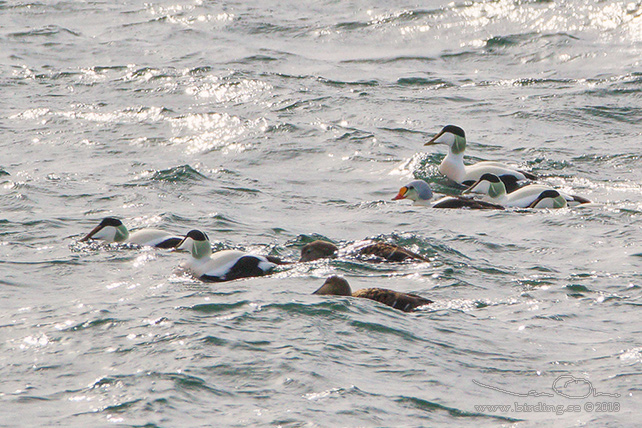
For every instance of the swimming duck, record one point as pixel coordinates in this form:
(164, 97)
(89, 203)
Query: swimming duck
(453, 164)
(112, 229)
(388, 252)
(223, 265)
(530, 196)
(420, 193)
(338, 286)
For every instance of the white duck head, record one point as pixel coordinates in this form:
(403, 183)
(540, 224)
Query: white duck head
(488, 184)
(197, 243)
(417, 191)
(110, 229)
(451, 135)
(549, 199)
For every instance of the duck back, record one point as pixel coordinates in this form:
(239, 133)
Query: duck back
(402, 301)
(389, 252)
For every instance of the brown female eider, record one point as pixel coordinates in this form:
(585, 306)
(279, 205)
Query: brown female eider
(388, 252)
(338, 286)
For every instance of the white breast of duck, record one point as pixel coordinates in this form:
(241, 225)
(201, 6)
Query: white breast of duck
(224, 265)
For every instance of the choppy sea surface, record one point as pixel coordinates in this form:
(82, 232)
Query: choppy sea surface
(270, 124)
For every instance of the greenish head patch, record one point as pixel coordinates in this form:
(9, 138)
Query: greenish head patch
(201, 249)
(559, 202)
(459, 145)
(495, 190)
(121, 233)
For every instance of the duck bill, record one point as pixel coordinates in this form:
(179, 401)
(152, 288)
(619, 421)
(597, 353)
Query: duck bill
(472, 187)
(535, 202)
(401, 194)
(469, 190)
(92, 233)
(433, 140)
(179, 246)
(319, 291)
(323, 289)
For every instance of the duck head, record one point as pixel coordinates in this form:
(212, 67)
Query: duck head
(335, 285)
(197, 243)
(488, 184)
(110, 229)
(451, 135)
(418, 191)
(317, 250)
(549, 199)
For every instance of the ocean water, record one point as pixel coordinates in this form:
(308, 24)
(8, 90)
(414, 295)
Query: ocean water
(270, 124)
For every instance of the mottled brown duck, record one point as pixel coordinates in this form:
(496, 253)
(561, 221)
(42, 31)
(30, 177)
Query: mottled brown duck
(338, 286)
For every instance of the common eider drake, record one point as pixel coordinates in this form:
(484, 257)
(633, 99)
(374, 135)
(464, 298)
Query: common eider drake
(382, 250)
(225, 265)
(453, 164)
(338, 286)
(530, 196)
(420, 193)
(112, 229)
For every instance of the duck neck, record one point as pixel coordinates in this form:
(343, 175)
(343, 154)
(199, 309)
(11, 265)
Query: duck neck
(453, 166)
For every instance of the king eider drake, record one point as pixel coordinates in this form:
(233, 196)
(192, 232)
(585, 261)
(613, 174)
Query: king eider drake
(225, 265)
(453, 164)
(420, 193)
(112, 229)
(531, 196)
(382, 250)
(338, 286)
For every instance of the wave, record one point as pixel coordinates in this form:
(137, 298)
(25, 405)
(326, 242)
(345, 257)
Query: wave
(46, 31)
(436, 83)
(177, 174)
(431, 406)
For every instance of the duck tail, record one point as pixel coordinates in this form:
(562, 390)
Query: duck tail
(278, 261)
(528, 175)
(580, 200)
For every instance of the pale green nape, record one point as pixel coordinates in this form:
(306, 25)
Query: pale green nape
(559, 202)
(495, 190)
(201, 249)
(121, 233)
(459, 145)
